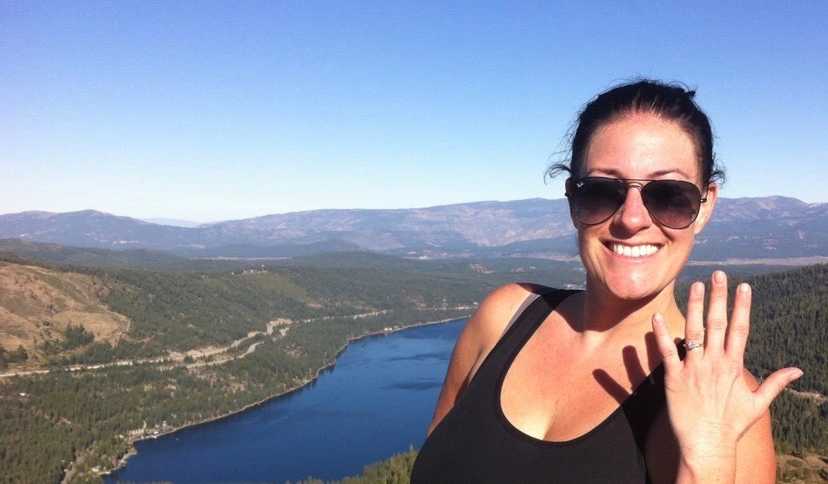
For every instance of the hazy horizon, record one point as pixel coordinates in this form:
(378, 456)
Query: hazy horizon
(163, 220)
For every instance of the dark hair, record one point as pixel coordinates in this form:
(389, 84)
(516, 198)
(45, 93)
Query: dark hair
(671, 102)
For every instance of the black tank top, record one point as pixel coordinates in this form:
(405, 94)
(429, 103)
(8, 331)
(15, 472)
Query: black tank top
(476, 443)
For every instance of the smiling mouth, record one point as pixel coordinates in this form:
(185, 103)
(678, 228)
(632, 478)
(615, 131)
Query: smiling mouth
(632, 251)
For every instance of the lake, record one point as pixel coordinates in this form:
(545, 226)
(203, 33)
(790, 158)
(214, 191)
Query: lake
(376, 401)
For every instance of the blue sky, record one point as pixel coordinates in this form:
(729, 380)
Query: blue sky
(217, 110)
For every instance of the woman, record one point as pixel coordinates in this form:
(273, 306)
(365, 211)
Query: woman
(614, 383)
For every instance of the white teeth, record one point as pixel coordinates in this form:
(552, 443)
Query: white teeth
(634, 251)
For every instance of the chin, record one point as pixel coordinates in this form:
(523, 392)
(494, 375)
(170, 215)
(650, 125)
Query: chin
(631, 279)
(632, 292)
(634, 287)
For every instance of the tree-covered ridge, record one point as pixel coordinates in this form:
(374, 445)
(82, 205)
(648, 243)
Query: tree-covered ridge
(790, 314)
(790, 328)
(51, 420)
(394, 470)
(182, 310)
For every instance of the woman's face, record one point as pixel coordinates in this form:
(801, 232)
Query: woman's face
(639, 146)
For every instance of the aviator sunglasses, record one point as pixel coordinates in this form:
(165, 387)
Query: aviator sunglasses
(672, 203)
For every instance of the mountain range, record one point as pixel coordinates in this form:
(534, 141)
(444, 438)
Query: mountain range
(766, 227)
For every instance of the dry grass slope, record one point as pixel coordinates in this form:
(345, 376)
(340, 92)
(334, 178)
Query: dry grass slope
(37, 305)
(806, 469)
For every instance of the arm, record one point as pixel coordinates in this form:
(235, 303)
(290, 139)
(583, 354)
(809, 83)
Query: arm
(478, 337)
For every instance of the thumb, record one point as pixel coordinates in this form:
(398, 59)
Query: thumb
(775, 383)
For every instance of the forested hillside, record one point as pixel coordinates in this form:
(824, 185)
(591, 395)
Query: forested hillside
(258, 332)
(198, 345)
(790, 328)
(203, 344)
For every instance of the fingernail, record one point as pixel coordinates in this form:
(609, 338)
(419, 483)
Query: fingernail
(719, 276)
(744, 288)
(798, 373)
(658, 318)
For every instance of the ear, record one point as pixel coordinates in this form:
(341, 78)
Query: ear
(706, 210)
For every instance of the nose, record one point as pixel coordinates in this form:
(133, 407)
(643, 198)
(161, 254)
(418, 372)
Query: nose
(633, 216)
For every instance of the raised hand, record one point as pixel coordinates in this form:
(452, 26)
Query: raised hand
(710, 403)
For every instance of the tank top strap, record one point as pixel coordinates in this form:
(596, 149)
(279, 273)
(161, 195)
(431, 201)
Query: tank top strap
(525, 322)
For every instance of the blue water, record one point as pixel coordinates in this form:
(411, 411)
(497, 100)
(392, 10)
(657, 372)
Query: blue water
(376, 401)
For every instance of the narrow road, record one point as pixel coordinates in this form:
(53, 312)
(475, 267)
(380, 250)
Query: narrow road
(815, 396)
(175, 359)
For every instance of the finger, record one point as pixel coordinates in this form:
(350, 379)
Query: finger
(716, 315)
(694, 327)
(774, 384)
(739, 327)
(666, 346)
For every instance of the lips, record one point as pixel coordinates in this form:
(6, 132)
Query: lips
(632, 250)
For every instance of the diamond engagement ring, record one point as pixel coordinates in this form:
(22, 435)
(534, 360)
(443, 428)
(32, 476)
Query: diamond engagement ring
(692, 345)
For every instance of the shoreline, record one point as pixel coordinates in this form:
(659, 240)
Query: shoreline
(122, 462)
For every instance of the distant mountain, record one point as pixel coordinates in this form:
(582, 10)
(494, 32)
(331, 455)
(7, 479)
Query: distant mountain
(172, 221)
(90, 228)
(447, 228)
(767, 227)
(16, 250)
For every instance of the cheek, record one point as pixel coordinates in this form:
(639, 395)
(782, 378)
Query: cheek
(583, 240)
(590, 249)
(683, 241)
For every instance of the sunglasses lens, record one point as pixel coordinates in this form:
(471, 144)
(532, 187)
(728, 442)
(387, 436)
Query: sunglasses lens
(595, 200)
(673, 203)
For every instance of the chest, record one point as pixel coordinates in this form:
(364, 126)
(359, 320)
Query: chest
(536, 412)
(555, 392)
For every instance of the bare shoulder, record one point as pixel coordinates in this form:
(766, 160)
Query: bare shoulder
(485, 328)
(496, 311)
(478, 337)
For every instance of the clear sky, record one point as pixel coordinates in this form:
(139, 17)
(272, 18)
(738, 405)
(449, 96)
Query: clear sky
(217, 110)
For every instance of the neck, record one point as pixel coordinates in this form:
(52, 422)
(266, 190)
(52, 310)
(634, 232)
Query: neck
(605, 315)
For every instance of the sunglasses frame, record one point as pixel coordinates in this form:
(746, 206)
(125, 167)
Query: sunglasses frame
(573, 184)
